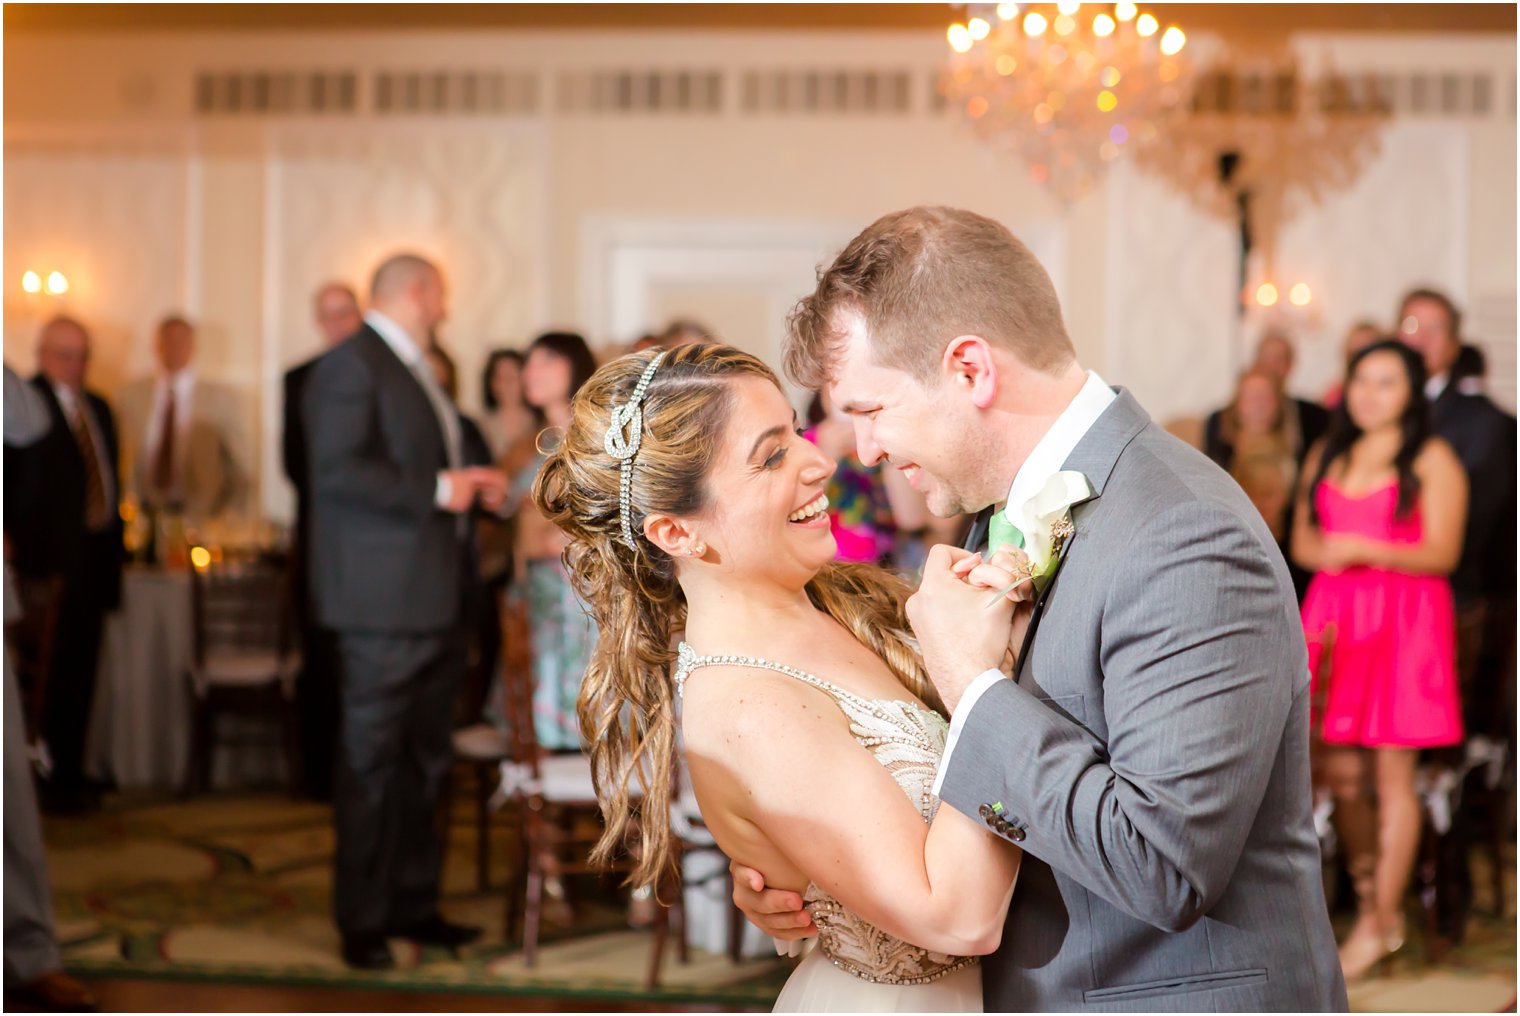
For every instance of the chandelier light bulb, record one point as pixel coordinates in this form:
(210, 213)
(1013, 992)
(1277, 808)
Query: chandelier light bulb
(1068, 8)
(1107, 101)
(31, 282)
(1109, 77)
(1006, 64)
(1007, 12)
(1172, 41)
(1266, 294)
(960, 38)
(1065, 24)
(1147, 26)
(1034, 23)
(1126, 11)
(1103, 26)
(979, 28)
(1299, 295)
(57, 284)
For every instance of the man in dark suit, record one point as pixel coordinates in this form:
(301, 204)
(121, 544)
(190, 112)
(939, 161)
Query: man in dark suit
(61, 514)
(338, 317)
(1483, 436)
(389, 536)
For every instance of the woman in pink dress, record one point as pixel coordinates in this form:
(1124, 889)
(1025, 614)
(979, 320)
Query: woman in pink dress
(1381, 522)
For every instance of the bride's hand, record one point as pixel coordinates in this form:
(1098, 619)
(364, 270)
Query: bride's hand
(776, 912)
(999, 571)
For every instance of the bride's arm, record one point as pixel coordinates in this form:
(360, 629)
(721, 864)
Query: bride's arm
(831, 809)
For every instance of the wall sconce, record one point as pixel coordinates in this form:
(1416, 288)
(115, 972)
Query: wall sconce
(32, 283)
(1267, 295)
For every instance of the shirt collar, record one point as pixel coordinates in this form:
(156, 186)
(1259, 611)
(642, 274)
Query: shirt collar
(1052, 450)
(1436, 385)
(403, 345)
(181, 381)
(65, 397)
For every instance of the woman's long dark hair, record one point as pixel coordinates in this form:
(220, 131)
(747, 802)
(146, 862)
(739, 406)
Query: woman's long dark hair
(1414, 427)
(572, 347)
(487, 395)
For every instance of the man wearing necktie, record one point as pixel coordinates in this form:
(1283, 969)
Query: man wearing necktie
(185, 433)
(61, 514)
(390, 495)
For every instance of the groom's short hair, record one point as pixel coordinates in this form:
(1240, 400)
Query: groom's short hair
(919, 278)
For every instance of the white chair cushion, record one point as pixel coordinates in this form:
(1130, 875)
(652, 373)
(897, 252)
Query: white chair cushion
(246, 668)
(563, 779)
(482, 741)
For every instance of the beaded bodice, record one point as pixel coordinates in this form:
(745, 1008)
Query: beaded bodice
(907, 739)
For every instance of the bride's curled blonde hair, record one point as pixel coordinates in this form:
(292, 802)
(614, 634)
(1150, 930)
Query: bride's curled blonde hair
(627, 698)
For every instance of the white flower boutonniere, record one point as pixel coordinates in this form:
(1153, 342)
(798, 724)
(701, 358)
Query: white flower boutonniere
(1040, 526)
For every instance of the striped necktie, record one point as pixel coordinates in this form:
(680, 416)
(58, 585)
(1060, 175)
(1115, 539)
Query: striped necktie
(95, 508)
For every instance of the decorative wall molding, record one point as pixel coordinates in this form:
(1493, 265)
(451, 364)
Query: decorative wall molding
(678, 90)
(339, 200)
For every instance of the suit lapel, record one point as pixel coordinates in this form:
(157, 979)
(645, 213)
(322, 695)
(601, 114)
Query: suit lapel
(1094, 457)
(976, 540)
(1039, 601)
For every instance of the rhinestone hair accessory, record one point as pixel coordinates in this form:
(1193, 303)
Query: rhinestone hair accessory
(624, 434)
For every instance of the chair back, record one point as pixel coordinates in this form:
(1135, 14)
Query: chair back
(241, 605)
(517, 684)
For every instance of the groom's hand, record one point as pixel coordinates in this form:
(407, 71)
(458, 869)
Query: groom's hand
(776, 912)
(959, 632)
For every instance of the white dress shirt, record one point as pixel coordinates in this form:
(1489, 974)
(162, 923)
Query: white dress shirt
(77, 410)
(182, 383)
(1047, 458)
(1436, 385)
(409, 353)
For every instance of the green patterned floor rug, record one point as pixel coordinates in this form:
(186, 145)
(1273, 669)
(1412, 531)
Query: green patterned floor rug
(236, 888)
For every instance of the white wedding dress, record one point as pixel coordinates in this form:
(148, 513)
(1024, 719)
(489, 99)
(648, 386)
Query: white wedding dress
(855, 967)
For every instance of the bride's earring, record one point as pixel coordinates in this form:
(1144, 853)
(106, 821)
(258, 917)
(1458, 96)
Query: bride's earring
(697, 550)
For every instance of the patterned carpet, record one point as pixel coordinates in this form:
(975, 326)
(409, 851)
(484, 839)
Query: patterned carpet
(235, 888)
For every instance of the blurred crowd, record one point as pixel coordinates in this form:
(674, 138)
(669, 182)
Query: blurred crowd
(1393, 499)
(431, 594)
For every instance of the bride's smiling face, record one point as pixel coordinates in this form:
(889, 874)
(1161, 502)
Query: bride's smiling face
(766, 517)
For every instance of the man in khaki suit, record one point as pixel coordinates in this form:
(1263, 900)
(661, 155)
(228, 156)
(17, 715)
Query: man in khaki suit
(182, 434)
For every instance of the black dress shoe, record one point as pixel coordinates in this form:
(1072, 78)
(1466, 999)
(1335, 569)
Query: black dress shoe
(367, 952)
(436, 931)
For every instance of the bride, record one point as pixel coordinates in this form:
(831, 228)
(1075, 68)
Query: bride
(693, 505)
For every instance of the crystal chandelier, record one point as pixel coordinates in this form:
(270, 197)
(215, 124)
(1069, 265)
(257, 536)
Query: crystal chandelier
(1068, 86)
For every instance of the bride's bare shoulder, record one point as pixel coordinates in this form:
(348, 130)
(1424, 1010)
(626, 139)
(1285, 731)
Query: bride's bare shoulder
(745, 709)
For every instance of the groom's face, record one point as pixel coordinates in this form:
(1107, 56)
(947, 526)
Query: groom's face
(930, 434)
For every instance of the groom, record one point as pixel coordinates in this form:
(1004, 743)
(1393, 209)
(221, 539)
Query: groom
(1151, 754)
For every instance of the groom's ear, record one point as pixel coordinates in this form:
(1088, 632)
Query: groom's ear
(972, 368)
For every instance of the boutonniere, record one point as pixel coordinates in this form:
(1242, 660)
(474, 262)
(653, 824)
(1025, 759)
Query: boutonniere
(1041, 525)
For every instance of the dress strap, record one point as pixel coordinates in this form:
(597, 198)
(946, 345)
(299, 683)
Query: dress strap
(687, 661)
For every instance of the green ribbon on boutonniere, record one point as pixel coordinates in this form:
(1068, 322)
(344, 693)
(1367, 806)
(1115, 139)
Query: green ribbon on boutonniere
(1041, 525)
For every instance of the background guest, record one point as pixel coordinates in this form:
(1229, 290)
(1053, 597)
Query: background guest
(1380, 521)
(33, 967)
(683, 330)
(390, 493)
(1483, 579)
(1358, 337)
(338, 317)
(558, 363)
(1274, 356)
(62, 516)
(184, 437)
(1258, 442)
(508, 419)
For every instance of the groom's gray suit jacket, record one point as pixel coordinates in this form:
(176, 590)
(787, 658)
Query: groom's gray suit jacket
(1152, 757)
